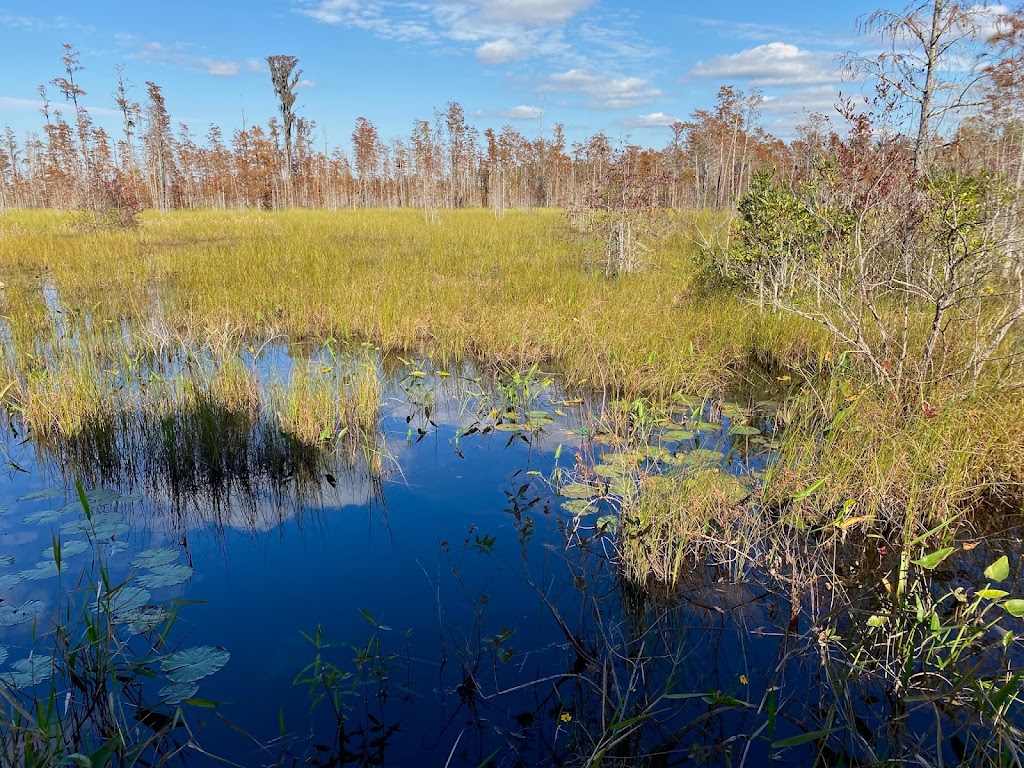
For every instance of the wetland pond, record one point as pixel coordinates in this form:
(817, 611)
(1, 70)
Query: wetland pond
(284, 555)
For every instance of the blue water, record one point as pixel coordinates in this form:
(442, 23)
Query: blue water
(464, 613)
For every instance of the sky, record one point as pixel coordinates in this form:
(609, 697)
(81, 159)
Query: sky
(628, 68)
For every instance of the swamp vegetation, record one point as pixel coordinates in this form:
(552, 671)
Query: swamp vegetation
(672, 468)
(614, 484)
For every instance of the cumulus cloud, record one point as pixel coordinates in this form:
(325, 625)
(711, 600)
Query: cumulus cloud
(603, 91)
(653, 120)
(499, 51)
(770, 64)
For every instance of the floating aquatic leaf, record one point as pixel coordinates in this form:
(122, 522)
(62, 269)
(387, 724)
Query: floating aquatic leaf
(12, 616)
(931, 560)
(175, 693)
(704, 426)
(168, 575)
(577, 507)
(999, 570)
(193, 664)
(43, 495)
(151, 558)
(67, 549)
(732, 410)
(111, 548)
(28, 672)
(83, 525)
(609, 523)
(622, 487)
(610, 470)
(98, 498)
(142, 620)
(123, 603)
(578, 491)
(744, 430)
(45, 516)
(47, 569)
(677, 435)
(11, 580)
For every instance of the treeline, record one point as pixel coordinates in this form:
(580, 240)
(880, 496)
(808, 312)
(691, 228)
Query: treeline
(444, 162)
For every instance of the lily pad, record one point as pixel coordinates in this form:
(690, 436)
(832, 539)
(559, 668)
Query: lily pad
(153, 558)
(28, 672)
(610, 470)
(168, 575)
(67, 549)
(47, 569)
(43, 495)
(11, 580)
(124, 604)
(146, 619)
(677, 435)
(704, 426)
(45, 516)
(12, 616)
(175, 693)
(577, 507)
(193, 664)
(743, 430)
(578, 491)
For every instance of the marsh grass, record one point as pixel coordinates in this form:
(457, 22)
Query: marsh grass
(513, 294)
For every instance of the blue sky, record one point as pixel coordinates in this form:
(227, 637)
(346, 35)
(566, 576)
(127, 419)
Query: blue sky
(625, 68)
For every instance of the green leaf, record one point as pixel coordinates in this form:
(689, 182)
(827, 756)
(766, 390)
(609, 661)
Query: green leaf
(811, 489)
(577, 491)
(1014, 607)
(999, 570)
(931, 561)
(991, 594)
(193, 664)
(877, 621)
(803, 738)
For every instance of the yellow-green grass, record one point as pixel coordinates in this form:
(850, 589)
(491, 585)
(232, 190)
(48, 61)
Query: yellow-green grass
(508, 291)
(515, 289)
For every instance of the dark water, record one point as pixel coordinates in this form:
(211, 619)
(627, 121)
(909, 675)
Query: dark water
(467, 616)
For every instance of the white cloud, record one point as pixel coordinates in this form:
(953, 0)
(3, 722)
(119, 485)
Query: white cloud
(10, 102)
(604, 92)
(522, 112)
(538, 13)
(220, 68)
(179, 56)
(306, 84)
(653, 120)
(497, 31)
(499, 51)
(768, 65)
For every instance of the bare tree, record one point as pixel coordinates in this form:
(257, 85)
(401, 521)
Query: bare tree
(285, 79)
(930, 63)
